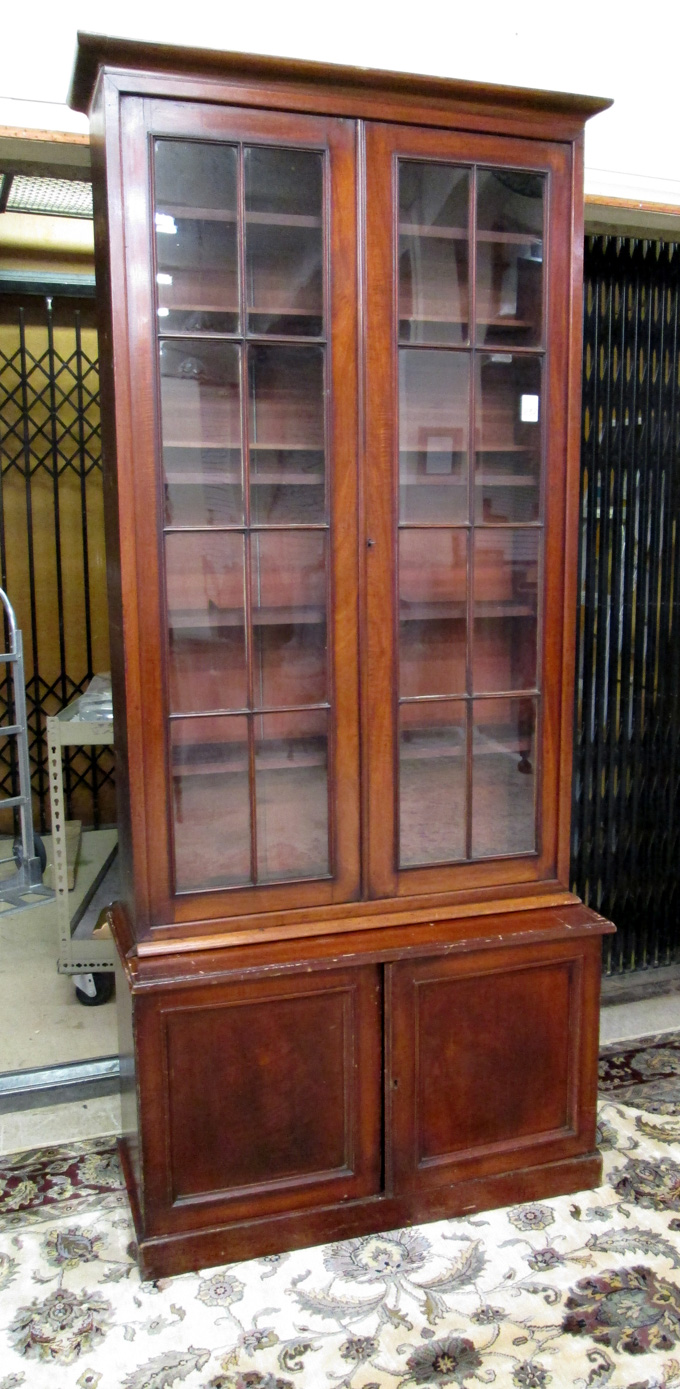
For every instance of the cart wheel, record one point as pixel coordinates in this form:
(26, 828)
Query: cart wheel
(38, 849)
(99, 989)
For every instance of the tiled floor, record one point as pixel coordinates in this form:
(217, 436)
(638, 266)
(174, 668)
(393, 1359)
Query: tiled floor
(59, 1123)
(622, 1021)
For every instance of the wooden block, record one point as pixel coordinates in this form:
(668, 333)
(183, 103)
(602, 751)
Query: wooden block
(103, 929)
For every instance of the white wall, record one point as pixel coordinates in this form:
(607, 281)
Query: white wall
(624, 50)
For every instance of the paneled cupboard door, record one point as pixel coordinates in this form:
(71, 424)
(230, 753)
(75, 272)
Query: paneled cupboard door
(463, 1094)
(244, 342)
(467, 306)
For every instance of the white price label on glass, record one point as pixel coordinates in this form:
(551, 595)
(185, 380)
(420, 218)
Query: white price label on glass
(528, 409)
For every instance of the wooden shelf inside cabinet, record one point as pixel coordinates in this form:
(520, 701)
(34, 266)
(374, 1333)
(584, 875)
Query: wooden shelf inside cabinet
(462, 453)
(254, 447)
(280, 761)
(233, 617)
(481, 480)
(271, 478)
(500, 323)
(439, 612)
(219, 214)
(415, 229)
(258, 310)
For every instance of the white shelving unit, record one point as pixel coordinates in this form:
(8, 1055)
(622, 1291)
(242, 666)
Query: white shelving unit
(68, 729)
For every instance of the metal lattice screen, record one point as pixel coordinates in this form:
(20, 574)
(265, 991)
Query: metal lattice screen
(626, 824)
(52, 557)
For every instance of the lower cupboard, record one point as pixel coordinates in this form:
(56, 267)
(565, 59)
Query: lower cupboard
(347, 1085)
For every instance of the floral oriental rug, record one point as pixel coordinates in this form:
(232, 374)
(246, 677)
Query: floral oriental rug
(578, 1291)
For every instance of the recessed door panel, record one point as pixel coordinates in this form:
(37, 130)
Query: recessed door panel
(271, 1096)
(487, 1062)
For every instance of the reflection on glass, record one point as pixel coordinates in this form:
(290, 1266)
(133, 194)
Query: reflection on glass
(433, 252)
(291, 791)
(509, 256)
(196, 243)
(287, 486)
(503, 777)
(245, 574)
(433, 435)
(508, 438)
(286, 420)
(432, 778)
(288, 586)
(432, 611)
(204, 587)
(201, 432)
(506, 610)
(210, 805)
(204, 578)
(203, 487)
(284, 241)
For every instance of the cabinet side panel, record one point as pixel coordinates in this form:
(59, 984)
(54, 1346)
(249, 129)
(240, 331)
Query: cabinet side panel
(105, 313)
(128, 1074)
(117, 365)
(573, 462)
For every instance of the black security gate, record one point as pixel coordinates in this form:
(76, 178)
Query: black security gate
(626, 824)
(52, 559)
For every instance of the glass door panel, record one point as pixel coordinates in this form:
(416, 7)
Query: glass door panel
(206, 621)
(470, 531)
(210, 803)
(507, 438)
(284, 242)
(201, 432)
(505, 638)
(432, 612)
(247, 579)
(433, 253)
(291, 790)
(503, 777)
(432, 782)
(509, 257)
(288, 597)
(434, 389)
(196, 242)
(287, 447)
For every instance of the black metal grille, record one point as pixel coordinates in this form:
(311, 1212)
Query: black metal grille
(626, 823)
(55, 197)
(52, 558)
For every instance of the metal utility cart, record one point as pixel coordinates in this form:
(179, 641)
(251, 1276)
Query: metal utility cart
(85, 957)
(22, 888)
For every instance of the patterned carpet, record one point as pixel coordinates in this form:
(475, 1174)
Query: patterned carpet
(645, 1073)
(579, 1291)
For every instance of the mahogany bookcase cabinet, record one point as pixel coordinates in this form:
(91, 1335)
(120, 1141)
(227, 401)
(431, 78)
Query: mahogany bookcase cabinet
(340, 350)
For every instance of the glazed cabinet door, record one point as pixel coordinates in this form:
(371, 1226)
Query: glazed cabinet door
(492, 1061)
(241, 246)
(468, 297)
